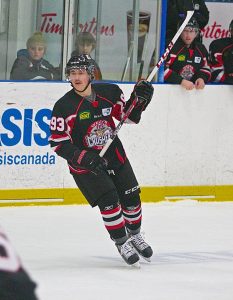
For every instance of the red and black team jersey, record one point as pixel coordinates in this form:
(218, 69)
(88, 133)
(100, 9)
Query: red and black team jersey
(221, 60)
(78, 124)
(187, 63)
(15, 283)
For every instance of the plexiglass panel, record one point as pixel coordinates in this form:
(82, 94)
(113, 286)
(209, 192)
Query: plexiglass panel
(37, 42)
(115, 37)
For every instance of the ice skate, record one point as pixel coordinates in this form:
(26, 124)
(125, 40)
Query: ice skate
(128, 253)
(142, 248)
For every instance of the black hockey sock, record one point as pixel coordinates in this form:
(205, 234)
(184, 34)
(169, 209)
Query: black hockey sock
(132, 216)
(112, 216)
(114, 223)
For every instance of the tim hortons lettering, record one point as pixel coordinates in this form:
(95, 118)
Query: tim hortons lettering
(215, 31)
(49, 25)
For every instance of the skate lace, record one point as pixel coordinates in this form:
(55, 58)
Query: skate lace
(127, 249)
(138, 240)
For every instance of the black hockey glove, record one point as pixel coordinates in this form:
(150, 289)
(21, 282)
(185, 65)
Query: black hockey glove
(144, 91)
(90, 160)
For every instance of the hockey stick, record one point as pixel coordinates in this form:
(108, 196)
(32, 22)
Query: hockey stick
(149, 78)
(170, 45)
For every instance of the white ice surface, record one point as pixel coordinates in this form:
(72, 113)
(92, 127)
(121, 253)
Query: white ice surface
(69, 254)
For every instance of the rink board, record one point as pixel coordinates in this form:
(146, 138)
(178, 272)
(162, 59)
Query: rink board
(182, 147)
(148, 194)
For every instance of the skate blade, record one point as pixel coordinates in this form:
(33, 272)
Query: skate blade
(136, 265)
(146, 258)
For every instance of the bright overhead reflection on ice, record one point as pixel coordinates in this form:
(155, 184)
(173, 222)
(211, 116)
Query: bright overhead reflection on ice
(69, 254)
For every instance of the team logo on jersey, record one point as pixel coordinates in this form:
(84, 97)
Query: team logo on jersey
(98, 134)
(197, 59)
(181, 57)
(187, 72)
(106, 111)
(84, 115)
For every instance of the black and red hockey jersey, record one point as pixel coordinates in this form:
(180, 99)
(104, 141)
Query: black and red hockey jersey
(15, 283)
(78, 124)
(187, 63)
(221, 60)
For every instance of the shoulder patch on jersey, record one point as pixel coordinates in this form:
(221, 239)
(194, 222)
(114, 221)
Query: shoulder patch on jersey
(197, 59)
(84, 115)
(106, 111)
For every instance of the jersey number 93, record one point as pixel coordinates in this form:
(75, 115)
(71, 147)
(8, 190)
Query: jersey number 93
(57, 124)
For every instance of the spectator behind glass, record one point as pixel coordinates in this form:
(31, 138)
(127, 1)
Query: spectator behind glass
(221, 58)
(176, 10)
(85, 44)
(30, 64)
(187, 63)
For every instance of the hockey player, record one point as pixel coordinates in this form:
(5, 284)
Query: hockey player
(15, 283)
(176, 10)
(187, 63)
(221, 58)
(82, 122)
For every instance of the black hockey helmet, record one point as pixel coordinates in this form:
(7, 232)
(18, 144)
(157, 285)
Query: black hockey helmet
(192, 23)
(81, 62)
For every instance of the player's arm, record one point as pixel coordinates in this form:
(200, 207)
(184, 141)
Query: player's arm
(216, 63)
(119, 103)
(60, 138)
(204, 71)
(61, 142)
(171, 76)
(228, 65)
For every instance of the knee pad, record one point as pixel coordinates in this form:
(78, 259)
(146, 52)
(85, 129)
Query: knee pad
(108, 201)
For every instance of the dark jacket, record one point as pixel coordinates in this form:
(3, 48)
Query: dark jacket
(221, 60)
(25, 68)
(187, 63)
